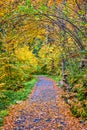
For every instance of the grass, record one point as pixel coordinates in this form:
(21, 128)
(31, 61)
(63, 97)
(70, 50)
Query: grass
(56, 78)
(10, 97)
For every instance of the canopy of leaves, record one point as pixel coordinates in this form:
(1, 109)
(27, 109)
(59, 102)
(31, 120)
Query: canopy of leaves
(43, 36)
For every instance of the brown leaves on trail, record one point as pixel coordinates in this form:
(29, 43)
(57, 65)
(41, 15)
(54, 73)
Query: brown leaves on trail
(40, 112)
(47, 129)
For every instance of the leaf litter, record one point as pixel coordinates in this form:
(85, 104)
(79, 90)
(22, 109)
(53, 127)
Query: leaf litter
(45, 109)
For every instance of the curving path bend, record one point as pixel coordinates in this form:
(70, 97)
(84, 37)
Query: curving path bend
(43, 110)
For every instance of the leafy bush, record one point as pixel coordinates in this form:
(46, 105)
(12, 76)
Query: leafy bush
(9, 97)
(81, 95)
(75, 111)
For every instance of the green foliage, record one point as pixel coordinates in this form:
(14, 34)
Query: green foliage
(61, 28)
(74, 111)
(28, 3)
(57, 78)
(84, 52)
(27, 9)
(43, 8)
(3, 113)
(81, 112)
(81, 95)
(9, 97)
(23, 9)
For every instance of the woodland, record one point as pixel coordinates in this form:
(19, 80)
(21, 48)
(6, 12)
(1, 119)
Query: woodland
(43, 37)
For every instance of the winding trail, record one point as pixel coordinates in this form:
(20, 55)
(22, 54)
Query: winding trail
(43, 110)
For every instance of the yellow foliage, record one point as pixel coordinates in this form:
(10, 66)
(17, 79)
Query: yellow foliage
(2, 76)
(50, 56)
(2, 85)
(25, 55)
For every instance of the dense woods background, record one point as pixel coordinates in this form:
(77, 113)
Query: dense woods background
(43, 37)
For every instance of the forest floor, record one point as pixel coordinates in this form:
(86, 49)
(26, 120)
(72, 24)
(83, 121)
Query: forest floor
(45, 109)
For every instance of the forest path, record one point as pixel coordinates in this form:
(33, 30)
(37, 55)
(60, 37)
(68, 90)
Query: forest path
(43, 110)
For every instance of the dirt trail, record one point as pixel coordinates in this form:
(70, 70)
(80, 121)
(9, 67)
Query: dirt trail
(43, 110)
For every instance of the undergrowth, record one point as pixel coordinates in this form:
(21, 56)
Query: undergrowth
(9, 97)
